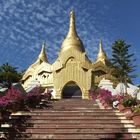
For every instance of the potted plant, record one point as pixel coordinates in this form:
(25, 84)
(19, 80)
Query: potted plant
(121, 107)
(117, 102)
(136, 115)
(128, 103)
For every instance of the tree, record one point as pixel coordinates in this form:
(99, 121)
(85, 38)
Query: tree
(9, 75)
(123, 61)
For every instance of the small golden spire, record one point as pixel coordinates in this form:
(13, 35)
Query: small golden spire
(101, 54)
(42, 56)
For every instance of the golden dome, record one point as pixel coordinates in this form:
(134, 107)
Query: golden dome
(101, 54)
(72, 40)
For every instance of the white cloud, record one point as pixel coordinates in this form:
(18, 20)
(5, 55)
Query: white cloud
(42, 17)
(38, 21)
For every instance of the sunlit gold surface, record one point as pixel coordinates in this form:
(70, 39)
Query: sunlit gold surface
(72, 41)
(40, 71)
(71, 66)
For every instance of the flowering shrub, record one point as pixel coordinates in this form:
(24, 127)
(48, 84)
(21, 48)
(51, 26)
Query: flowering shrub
(15, 100)
(4, 103)
(118, 97)
(94, 93)
(106, 95)
(33, 97)
(102, 94)
(13, 96)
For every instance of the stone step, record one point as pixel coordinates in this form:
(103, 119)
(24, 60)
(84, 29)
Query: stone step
(77, 117)
(74, 111)
(77, 138)
(85, 126)
(81, 131)
(73, 108)
(72, 100)
(73, 103)
(93, 136)
(98, 136)
(77, 105)
(53, 121)
(50, 114)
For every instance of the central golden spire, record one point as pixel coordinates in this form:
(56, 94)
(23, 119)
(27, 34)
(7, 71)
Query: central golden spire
(101, 54)
(72, 40)
(72, 31)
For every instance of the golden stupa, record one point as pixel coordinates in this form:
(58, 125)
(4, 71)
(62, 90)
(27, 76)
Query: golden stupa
(72, 74)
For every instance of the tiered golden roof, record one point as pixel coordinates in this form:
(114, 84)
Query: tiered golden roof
(41, 58)
(72, 40)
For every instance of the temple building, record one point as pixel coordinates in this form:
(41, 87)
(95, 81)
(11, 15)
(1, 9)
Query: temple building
(72, 74)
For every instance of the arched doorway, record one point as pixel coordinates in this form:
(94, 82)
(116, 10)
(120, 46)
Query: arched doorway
(71, 90)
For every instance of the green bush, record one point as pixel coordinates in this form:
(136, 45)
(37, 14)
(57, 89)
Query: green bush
(129, 102)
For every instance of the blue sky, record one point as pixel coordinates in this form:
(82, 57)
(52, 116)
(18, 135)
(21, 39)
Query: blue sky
(25, 24)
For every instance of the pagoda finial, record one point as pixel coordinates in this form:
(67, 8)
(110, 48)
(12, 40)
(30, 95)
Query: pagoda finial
(72, 41)
(101, 46)
(72, 30)
(42, 55)
(101, 54)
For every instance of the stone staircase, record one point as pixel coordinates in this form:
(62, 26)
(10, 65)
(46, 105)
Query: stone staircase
(78, 119)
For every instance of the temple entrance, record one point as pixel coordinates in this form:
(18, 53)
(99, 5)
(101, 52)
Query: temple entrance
(71, 90)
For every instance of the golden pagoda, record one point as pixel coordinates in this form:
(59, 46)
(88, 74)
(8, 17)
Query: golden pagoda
(39, 72)
(72, 74)
(102, 67)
